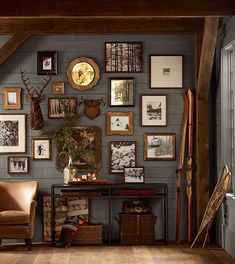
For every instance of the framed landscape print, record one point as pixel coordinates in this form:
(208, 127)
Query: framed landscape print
(134, 175)
(159, 146)
(119, 123)
(41, 148)
(166, 71)
(47, 62)
(60, 107)
(122, 154)
(12, 98)
(123, 56)
(153, 110)
(57, 88)
(18, 165)
(122, 91)
(12, 133)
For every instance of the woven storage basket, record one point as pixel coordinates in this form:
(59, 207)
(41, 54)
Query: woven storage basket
(89, 235)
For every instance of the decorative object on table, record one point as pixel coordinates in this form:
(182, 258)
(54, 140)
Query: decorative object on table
(153, 110)
(159, 146)
(123, 56)
(17, 165)
(122, 91)
(122, 154)
(41, 148)
(134, 175)
(12, 98)
(166, 71)
(47, 62)
(119, 123)
(58, 108)
(83, 73)
(58, 88)
(12, 133)
(136, 206)
(35, 97)
(92, 107)
(70, 172)
(216, 199)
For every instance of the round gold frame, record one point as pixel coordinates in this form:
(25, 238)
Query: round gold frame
(81, 68)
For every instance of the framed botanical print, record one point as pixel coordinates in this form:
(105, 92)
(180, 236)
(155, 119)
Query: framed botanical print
(12, 133)
(159, 146)
(18, 165)
(59, 107)
(119, 123)
(166, 71)
(153, 110)
(122, 154)
(12, 98)
(41, 148)
(57, 88)
(134, 175)
(47, 62)
(122, 92)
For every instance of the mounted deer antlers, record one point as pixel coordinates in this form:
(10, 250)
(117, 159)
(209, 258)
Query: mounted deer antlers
(35, 96)
(92, 107)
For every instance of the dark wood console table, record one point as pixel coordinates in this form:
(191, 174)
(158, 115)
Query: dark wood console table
(112, 192)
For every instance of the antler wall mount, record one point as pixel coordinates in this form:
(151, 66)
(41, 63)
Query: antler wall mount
(92, 107)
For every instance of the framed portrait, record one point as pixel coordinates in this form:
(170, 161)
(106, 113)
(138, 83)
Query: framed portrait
(153, 110)
(123, 56)
(83, 73)
(57, 88)
(134, 175)
(41, 148)
(122, 91)
(12, 133)
(47, 62)
(12, 98)
(119, 123)
(159, 146)
(58, 108)
(122, 154)
(166, 71)
(18, 165)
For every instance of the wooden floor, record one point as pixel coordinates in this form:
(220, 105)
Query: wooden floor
(42, 254)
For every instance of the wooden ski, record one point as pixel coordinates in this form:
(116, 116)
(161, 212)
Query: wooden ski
(180, 167)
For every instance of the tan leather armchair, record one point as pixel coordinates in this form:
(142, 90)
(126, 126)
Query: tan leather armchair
(17, 210)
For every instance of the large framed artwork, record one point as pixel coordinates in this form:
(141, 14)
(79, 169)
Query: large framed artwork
(122, 154)
(58, 108)
(153, 110)
(159, 146)
(47, 62)
(166, 71)
(12, 98)
(123, 56)
(18, 165)
(12, 133)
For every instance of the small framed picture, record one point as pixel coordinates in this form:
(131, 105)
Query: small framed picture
(58, 108)
(57, 88)
(119, 123)
(153, 110)
(159, 146)
(122, 154)
(166, 71)
(134, 175)
(47, 62)
(41, 148)
(18, 165)
(12, 98)
(122, 92)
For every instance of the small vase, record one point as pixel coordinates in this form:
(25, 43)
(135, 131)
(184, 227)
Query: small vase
(70, 172)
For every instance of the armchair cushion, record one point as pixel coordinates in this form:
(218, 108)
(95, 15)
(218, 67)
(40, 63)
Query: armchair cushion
(13, 217)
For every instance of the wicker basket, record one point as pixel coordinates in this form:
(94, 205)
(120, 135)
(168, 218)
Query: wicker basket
(89, 235)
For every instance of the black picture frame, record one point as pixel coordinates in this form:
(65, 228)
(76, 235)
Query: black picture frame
(47, 62)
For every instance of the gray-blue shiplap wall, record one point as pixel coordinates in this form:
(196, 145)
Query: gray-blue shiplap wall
(71, 47)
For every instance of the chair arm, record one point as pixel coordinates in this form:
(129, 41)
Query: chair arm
(32, 217)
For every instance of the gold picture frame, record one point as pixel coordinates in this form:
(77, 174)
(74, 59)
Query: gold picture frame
(12, 98)
(57, 88)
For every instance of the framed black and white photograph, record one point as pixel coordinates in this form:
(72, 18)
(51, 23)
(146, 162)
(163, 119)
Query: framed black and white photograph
(153, 110)
(159, 146)
(166, 71)
(58, 108)
(47, 62)
(122, 154)
(12, 133)
(123, 56)
(119, 123)
(41, 148)
(122, 92)
(18, 165)
(134, 175)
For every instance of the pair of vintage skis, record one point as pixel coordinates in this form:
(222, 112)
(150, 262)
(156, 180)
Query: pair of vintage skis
(186, 137)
